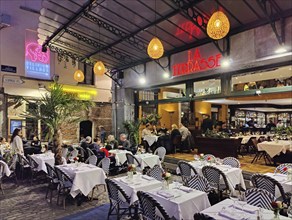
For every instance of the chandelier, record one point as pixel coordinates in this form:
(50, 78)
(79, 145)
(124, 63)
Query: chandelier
(155, 48)
(78, 76)
(218, 25)
(99, 68)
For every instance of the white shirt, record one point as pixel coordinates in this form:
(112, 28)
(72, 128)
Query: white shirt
(145, 132)
(17, 145)
(184, 132)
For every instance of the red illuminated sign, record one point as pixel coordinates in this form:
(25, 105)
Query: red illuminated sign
(196, 63)
(188, 28)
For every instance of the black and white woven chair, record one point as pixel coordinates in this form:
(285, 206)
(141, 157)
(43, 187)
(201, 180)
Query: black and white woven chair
(283, 168)
(81, 152)
(259, 197)
(160, 151)
(133, 160)
(155, 172)
(33, 166)
(90, 152)
(53, 181)
(150, 208)
(91, 160)
(211, 156)
(231, 161)
(186, 170)
(65, 185)
(214, 176)
(105, 165)
(270, 184)
(119, 200)
(202, 216)
(199, 183)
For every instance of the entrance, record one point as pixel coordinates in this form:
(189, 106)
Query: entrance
(85, 129)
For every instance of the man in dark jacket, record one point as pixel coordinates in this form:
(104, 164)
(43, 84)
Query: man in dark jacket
(207, 124)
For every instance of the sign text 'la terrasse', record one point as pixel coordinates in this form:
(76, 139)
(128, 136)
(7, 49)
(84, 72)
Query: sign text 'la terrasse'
(196, 63)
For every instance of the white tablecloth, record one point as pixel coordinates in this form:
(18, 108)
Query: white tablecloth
(151, 139)
(234, 175)
(85, 177)
(6, 171)
(214, 210)
(282, 179)
(274, 148)
(148, 160)
(41, 159)
(139, 183)
(184, 204)
(120, 156)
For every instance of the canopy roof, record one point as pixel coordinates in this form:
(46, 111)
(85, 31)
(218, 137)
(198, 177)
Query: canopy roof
(118, 31)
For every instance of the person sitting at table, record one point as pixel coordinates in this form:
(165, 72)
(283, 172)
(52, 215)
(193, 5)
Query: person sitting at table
(85, 144)
(125, 144)
(96, 144)
(270, 126)
(280, 124)
(36, 144)
(112, 141)
(174, 132)
(3, 145)
(146, 131)
(162, 130)
(154, 130)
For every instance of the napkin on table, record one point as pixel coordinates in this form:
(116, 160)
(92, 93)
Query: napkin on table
(165, 194)
(230, 215)
(186, 189)
(147, 177)
(247, 208)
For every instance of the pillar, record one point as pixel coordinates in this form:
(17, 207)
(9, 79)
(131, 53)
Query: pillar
(201, 108)
(223, 113)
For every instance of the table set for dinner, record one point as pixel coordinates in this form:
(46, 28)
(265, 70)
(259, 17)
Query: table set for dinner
(234, 175)
(274, 148)
(85, 177)
(179, 201)
(283, 180)
(41, 159)
(120, 156)
(148, 160)
(151, 139)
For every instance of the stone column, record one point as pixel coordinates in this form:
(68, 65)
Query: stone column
(3, 114)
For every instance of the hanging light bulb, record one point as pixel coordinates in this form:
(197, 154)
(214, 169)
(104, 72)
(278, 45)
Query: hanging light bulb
(155, 48)
(78, 76)
(99, 68)
(218, 25)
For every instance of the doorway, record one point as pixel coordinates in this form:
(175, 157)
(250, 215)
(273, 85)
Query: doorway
(85, 129)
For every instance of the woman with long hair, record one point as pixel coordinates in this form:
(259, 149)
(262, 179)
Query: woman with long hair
(16, 142)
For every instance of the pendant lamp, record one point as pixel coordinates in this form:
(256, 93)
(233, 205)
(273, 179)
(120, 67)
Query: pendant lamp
(218, 25)
(78, 76)
(155, 48)
(99, 68)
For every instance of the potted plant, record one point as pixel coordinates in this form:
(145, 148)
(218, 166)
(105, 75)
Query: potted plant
(132, 128)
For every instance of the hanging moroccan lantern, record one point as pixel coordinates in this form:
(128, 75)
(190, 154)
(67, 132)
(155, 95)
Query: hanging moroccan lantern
(78, 76)
(99, 68)
(155, 48)
(218, 25)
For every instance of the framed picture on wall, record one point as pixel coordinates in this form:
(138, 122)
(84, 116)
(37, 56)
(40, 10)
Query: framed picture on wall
(15, 123)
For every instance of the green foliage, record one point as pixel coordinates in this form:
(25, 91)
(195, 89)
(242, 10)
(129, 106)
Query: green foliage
(132, 128)
(215, 134)
(54, 108)
(151, 118)
(283, 130)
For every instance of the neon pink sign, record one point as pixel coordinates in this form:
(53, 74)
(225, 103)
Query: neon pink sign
(188, 28)
(33, 52)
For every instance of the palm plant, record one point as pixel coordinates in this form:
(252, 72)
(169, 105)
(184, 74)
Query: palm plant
(132, 128)
(55, 108)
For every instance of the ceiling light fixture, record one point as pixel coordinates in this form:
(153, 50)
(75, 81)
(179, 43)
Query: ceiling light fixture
(99, 68)
(226, 62)
(142, 80)
(165, 75)
(155, 48)
(218, 25)
(78, 76)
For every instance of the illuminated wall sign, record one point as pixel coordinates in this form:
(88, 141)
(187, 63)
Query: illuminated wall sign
(83, 93)
(187, 28)
(37, 63)
(195, 62)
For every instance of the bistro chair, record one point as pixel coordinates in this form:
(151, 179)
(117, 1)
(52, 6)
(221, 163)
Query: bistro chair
(260, 153)
(270, 184)
(65, 152)
(231, 161)
(176, 143)
(90, 152)
(151, 208)
(52, 179)
(33, 166)
(198, 182)
(260, 198)
(91, 160)
(186, 170)
(155, 172)
(214, 175)
(105, 165)
(202, 216)
(160, 151)
(3, 166)
(133, 160)
(119, 200)
(73, 154)
(81, 152)
(23, 165)
(65, 185)
(283, 168)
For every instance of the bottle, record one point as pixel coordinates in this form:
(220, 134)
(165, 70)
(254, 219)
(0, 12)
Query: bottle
(289, 210)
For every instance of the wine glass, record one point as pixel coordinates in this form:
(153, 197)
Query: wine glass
(196, 157)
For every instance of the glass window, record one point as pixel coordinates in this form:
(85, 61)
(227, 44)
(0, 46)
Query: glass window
(207, 87)
(171, 92)
(277, 77)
